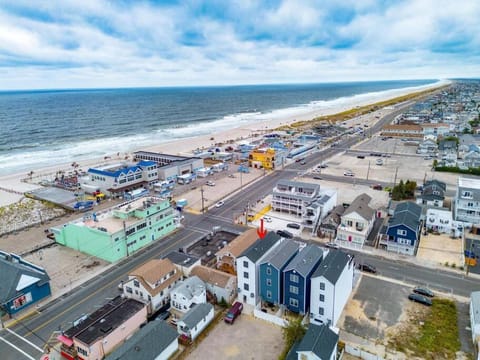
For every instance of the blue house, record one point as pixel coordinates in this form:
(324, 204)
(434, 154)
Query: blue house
(296, 278)
(271, 268)
(21, 283)
(404, 228)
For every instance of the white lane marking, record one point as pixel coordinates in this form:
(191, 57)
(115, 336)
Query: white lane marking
(18, 349)
(22, 338)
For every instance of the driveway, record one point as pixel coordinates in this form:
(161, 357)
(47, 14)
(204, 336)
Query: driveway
(247, 339)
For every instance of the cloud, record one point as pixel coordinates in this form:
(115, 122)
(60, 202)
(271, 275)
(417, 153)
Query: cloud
(144, 43)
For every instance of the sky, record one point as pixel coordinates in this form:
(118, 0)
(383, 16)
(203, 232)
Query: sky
(95, 43)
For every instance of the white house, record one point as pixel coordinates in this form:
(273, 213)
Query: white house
(187, 293)
(331, 286)
(466, 203)
(441, 220)
(220, 284)
(248, 264)
(475, 319)
(195, 320)
(318, 343)
(356, 223)
(151, 283)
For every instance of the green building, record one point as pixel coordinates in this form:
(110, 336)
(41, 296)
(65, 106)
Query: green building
(120, 231)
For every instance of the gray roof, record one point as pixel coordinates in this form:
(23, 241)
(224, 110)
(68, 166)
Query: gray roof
(195, 314)
(475, 306)
(181, 258)
(332, 266)
(320, 340)
(190, 287)
(261, 246)
(298, 184)
(432, 192)
(306, 260)
(410, 207)
(147, 343)
(12, 270)
(279, 256)
(438, 183)
(405, 218)
(360, 206)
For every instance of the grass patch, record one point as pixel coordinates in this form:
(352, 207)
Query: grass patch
(431, 334)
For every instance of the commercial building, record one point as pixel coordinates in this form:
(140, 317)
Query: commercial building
(267, 158)
(120, 231)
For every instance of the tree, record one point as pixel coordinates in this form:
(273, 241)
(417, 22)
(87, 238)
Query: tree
(294, 331)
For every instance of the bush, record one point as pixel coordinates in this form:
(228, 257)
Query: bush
(446, 263)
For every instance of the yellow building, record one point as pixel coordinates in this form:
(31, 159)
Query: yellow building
(262, 158)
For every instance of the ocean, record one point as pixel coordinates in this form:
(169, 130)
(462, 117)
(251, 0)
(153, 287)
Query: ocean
(44, 128)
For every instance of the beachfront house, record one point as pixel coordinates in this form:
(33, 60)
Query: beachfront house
(331, 286)
(151, 283)
(271, 271)
(356, 224)
(296, 278)
(22, 283)
(248, 264)
(118, 232)
(99, 333)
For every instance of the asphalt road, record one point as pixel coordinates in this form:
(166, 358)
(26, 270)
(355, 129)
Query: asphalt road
(60, 313)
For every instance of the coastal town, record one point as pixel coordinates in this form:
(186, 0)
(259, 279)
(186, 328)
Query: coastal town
(349, 236)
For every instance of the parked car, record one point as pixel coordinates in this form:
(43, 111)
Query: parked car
(377, 187)
(210, 183)
(285, 234)
(367, 268)
(317, 177)
(423, 291)
(163, 316)
(233, 313)
(219, 204)
(267, 219)
(303, 162)
(293, 226)
(332, 245)
(348, 173)
(420, 299)
(299, 160)
(379, 162)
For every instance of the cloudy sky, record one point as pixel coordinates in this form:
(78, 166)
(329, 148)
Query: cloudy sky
(94, 43)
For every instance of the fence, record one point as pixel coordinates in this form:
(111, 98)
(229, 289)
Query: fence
(352, 350)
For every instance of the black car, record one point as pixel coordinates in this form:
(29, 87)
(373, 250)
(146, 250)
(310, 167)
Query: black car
(367, 268)
(293, 226)
(317, 177)
(420, 299)
(285, 234)
(423, 291)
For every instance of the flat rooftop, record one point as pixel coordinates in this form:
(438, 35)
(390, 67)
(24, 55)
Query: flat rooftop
(469, 183)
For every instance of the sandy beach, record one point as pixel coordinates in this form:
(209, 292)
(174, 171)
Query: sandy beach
(12, 186)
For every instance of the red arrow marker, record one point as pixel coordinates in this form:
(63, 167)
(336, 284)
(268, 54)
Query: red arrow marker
(261, 232)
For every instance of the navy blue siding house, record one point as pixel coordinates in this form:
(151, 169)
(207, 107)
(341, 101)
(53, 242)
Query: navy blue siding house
(404, 228)
(21, 283)
(296, 278)
(270, 273)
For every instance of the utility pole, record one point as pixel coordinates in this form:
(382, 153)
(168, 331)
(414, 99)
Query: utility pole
(368, 170)
(247, 210)
(395, 179)
(203, 200)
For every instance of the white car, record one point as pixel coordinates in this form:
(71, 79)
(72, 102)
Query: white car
(210, 183)
(267, 219)
(219, 204)
(332, 245)
(348, 173)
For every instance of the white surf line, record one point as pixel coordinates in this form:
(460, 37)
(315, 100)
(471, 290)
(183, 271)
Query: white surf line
(22, 338)
(17, 348)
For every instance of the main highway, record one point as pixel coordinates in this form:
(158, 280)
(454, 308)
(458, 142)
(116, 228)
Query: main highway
(26, 337)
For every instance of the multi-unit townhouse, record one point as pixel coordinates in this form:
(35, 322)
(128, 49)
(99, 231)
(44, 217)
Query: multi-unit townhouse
(248, 265)
(151, 283)
(466, 204)
(271, 268)
(120, 231)
(296, 278)
(404, 228)
(331, 286)
(356, 224)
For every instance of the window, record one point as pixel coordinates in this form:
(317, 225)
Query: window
(269, 271)
(269, 294)
(141, 226)
(245, 275)
(321, 311)
(349, 223)
(269, 282)
(128, 289)
(130, 231)
(245, 287)
(402, 232)
(294, 289)
(136, 283)
(294, 278)
(322, 286)
(322, 297)
(245, 264)
(293, 302)
(467, 194)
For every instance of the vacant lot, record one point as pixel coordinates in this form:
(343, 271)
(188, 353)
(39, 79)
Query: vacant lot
(248, 338)
(440, 249)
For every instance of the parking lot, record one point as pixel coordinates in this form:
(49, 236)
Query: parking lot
(247, 338)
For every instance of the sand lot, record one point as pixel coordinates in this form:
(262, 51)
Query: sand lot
(439, 249)
(247, 338)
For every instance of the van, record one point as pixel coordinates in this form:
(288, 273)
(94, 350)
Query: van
(233, 313)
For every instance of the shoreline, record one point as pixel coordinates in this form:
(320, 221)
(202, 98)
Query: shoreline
(11, 183)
